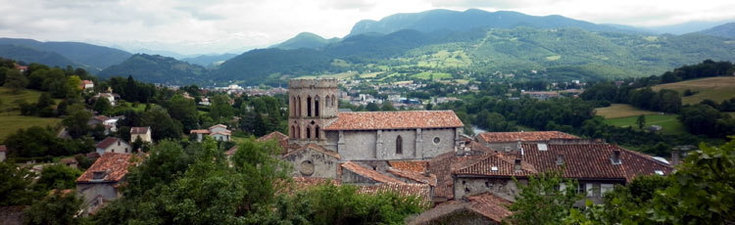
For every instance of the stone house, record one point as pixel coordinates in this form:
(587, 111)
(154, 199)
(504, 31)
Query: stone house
(100, 183)
(144, 133)
(114, 145)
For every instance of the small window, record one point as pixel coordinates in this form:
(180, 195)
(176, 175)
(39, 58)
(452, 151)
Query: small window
(399, 145)
(437, 140)
(126, 150)
(542, 147)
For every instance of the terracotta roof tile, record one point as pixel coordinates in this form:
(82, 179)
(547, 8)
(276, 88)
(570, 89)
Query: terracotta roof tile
(490, 137)
(139, 130)
(108, 141)
(414, 166)
(579, 161)
(115, 165)
(443, 165)
(218, 125)
(423, 191)
(420, 177)
(280, 138)
(199, 131)
(369, 173)
(486, 205)
(394, 120)
(497, 164)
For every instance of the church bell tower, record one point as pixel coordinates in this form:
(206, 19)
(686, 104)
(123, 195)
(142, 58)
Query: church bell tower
(312, 104)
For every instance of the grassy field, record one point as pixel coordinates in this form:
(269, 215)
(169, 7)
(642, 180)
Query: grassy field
(430, 75)
(668, 122)
(10, 118)
(621, 110)
(714, 88)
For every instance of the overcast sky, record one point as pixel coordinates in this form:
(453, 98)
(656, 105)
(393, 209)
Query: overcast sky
(217, 26)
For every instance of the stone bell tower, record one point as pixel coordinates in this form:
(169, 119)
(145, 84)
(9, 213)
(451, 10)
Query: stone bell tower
(312, 105)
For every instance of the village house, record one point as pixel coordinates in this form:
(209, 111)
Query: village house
(100, 183)
(111, 97)
(113, 145)
(218, 132)
(142, 133)
(87, 84)
(507, 141)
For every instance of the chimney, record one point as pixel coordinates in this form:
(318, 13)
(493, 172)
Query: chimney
(616, 157)
(517, 165)
(559, 159)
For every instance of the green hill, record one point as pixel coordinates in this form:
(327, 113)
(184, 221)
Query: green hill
(725, 30)
(157, 69)
(32, 55)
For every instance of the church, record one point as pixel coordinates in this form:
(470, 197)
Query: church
(368, 138)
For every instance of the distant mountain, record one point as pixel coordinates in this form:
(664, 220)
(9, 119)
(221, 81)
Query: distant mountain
(684, 28)
(91, 57)
(442, 19)
(157, 69)
(209, 61)
(725, 30)
(305, 40)
(259, 64)
(33, 55)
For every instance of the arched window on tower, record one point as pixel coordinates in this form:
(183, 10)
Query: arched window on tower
(333, 101)
(316, 132)
(298, 132)
(328, 103)
(316, 106)
(399, 145)
(292, 106)
(293, 131)
(308, 132)
(308, 106)
(298, 106)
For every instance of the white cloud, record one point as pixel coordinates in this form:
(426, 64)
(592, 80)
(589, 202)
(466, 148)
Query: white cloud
(192, 26)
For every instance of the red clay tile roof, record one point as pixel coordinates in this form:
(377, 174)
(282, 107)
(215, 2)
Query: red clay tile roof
(314, 147)
(414, 166)
(486, 205)
(490, 137)
(3, 148)
(423, 191)
(224, 132)
(280, 138)
(504, 165)
(443, 165)
(139, 130)
(420, 177)
(199, 131)
(369, 173)
(109, 141)
(114, 164)
(394, 120)
(218, 125)
(580, 161)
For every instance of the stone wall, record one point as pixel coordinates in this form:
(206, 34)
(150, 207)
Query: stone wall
(310, 163)
(382, 144)
(504, 188)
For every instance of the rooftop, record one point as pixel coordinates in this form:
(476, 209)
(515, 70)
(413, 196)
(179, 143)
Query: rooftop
(490, 137)
(369, 173)
(395, 120)
(113, 165)
(109, 141)
(139, 130)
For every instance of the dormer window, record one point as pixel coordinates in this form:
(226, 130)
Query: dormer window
(99, 175)
(615, 158)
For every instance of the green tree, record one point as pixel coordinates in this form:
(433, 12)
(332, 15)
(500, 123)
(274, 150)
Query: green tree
(221, 109)
(641, 121)
(59, 177)
(15, 81)
(542, 201)
(372, 107)
(161, 123)
(15, 185)
(184, 110)
(102, 106)
(76, 121)
(59, 208)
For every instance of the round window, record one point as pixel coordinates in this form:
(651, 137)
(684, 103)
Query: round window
(306, 168)
(437, 140)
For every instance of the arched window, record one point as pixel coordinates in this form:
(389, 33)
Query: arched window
(293, 106)
(308, 132)
(328, 103)
(399, 145)
(298, 107)
(316, 106)
(333, 101)
(308, 106)
(316, 132)
(298, 132)
(293, 131)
